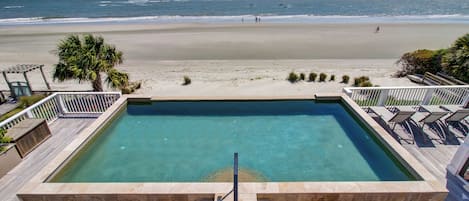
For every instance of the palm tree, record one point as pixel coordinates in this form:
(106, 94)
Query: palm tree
(85, 58)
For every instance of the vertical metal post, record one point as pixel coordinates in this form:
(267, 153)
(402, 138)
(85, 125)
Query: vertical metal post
(235, 177)
(12, 94)
(428, 96)
(28, 84)
(44, 77)
(383, 96)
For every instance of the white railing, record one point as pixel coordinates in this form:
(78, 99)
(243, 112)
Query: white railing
(62, 104)
(413, 96)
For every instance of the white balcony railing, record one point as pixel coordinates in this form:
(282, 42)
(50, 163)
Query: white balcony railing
(412, 96)
(62, 104)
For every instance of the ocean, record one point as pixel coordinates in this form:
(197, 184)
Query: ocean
(283, 11)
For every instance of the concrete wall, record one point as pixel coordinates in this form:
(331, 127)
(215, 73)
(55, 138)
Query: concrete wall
(8, 160)
(353, 196)
(113, 197)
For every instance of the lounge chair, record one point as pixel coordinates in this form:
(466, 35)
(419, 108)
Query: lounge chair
(428, 118)
(399, 117)
(455, 119)
(457, 116)
(422, 118)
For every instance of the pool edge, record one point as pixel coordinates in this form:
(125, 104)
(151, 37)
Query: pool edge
(427, 189)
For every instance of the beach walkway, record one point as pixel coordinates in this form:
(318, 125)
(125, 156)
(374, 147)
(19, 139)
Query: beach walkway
(63, 132)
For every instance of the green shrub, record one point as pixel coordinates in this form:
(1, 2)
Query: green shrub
(10, 113)
(366, 84)
(420, 61)
(359, 80)
(455, 60)
(26, 101)
(3, 137)
(292, 77)
(322, 77)
(312, 77)
(332, 78)
(127, 90)
(131, 87)
(136, 84)
(345, 79)
(302, 76)
(187, 80)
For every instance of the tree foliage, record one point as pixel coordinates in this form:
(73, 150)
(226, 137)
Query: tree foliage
(453, 61)
(456, 61)
(84, 58)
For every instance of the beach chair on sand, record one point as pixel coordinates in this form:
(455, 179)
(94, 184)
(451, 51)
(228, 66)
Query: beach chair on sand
(399, 117)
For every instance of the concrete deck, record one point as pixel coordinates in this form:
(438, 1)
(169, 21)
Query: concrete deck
(6, 107)
(63, 131)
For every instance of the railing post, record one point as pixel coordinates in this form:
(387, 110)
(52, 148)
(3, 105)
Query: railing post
(29, 114)
(466, 101)
(428, 96)
(347, 91)
(235, 177)
(60, 104)
(459, 157)
(383, 96)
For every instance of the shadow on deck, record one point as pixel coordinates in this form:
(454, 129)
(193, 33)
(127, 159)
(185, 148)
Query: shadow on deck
(63, 132)
(434, 146)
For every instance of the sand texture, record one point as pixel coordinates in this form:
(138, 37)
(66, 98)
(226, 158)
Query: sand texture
(235, 59)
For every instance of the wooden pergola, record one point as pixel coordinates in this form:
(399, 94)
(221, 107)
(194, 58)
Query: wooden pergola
(24, 69)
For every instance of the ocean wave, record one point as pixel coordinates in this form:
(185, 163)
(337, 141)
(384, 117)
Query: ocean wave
(269, 18)
(11, 7)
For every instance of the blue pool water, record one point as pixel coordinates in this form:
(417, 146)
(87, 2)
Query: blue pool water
(195, 141)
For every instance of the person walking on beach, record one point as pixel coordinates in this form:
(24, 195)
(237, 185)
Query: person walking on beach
(377, 29)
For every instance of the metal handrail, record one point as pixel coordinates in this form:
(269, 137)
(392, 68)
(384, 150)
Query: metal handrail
(235, 177)
(418, 95)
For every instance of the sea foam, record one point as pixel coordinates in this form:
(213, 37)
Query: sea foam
(245, 19)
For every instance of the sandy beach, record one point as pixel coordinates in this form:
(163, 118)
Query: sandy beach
(235, 59)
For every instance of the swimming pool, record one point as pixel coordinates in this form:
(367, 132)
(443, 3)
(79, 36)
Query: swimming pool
(194, 141)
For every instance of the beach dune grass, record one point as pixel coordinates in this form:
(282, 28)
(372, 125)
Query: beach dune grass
(312, 77)
(322, 77)
(187, 80)
(345, 79)
(293, 77)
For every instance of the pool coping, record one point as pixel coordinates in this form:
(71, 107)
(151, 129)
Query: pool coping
(428, 187)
